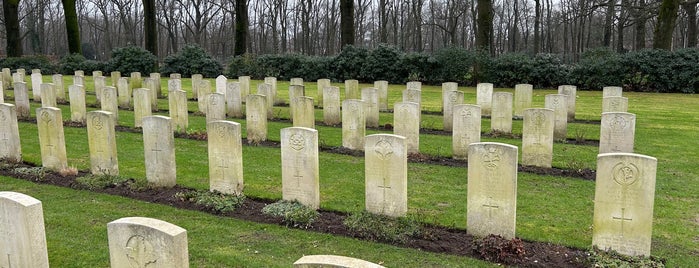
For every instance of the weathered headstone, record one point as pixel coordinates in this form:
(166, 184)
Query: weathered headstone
(265, 89)
(304, 113)
(221, 84)
(36, 85)
(321, 84)
(537, 137)
(10, 149)
(141, 105)
(102, 143)
(225, 157)
(295, 91)
(452, 98)
(216, 107)
(412, 95)
(155, 79)
(244, 87)
(150, 84)
(467, 129)
(571, 94)
(615, 104)
(256, 118)
(612, 92)
(51, 138)
(446, 88)
(501, 113)
(96, 73)
(351, 89)
(484, 97)
(416, 85)
(296, 81)
(331, 105)
(624, 197)
(79, 73)
(386, 175)
(109, 102)
(79, 80)
(116, 75)
(21, 75)
(176, 76)
(492, 189)
(2, 91)
(406, 123)
(159, 149)
(196, 82)
(353, 124)
(76, 95)
(523, 99)
(234, 103)
(382, 87)
(17, 77)
(174, 84)
(370, 96)
(59, 89)
(145, 242)
(136, 81)
(204, 89)
(48, 95)
(22, 233)
(100, 83)
(272, 82)
(177, 100)
(6, 77)
(557, 103)
(124, 93)
(319, 261)
(22, 99)
(617, 132)
(300, 179)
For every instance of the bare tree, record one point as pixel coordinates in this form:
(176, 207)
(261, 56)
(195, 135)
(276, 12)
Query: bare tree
(10, 10)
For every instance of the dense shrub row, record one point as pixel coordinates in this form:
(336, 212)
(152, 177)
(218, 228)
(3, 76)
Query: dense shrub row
(646, 70)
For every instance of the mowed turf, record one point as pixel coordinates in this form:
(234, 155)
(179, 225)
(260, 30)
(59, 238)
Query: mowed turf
(549, 209)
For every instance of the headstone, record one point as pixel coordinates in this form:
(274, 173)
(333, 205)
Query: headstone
(21, 75)
(319, 261)
(174, 84)
(221, 84)
(17, 77)
(136, 81)
(124, 93)
(484, 97)
(416, 85)
(386, 175)
(412, 95)
(79, 73)
(256, 118)
(149, 83)
(9, 134)
(2, 91)
(296, 81)
(155, 79)
(176, 76)
(116, 75)
(96, 73)
(557, 103)
(523, 99)
(79, 80)
(295, 91)
(353, 124)
(492, 189)
(145, 242)
(177, 100)
(537, 137)
(141, 105)
(76, 95)
(36, 85)
(501, 118)
(196, 82)
(304, 113)
(159, 148)
(244, 87)
(624, 197)
(370, 96)
(617, 132)
(100, 83)
(300, 166)
(265, 89)
(109, 103)
(225, 157)
(382, 87)
(51, 139)
(331, 105)
(446, 88)
(204, 89)
(453, 98)
(272, 81)
(570, 92)
(102, 143)
(59, 89)
(351, 89)
(615, 104)
(322, 84)
(406, 123)
(612, 92)
(234, 103)
(6, 77)
(467, 129)
(48, 95)
(22, 99)
(22, 233)
(216, 107)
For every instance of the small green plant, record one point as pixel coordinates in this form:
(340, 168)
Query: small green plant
(293, 213)
(599, 258)
(36, 173)
(216, 201)
(381, 227)
(94, 182)
(580, 135)
(498, 249)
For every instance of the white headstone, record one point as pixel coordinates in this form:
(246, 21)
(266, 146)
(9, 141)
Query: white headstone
(109, 102)
(300, 166)
(36, 85)
(386, 175)
(102, 143)
(272, 81)
(256, 118)
(537, 137)
(136, 81)
(452, 98)
(353, 124)
(467, 129)
(157, 88)
(176, 76)
(244, 87)
(234, 102)
(79, 73)
(304, 113)
(196, 82)
(204, 89)
(446, 88)
(612, 92)
(416, 85)
(216, 107)
(617, 131)
(221, 84)
(48, 95)
(570, 92)
(79, 80)
(76, 95)
(331, 105)
(406, 123)
(413, 95)
(96, 73)
(321, 84)
(296, 81)
(177, 100)
(10, 148)
(159, 149)
(615, 105)
(266, 90)
(501, 113)
(174, 84)
(141, 105)
(22, 99)
(124, 93)
(294, 92)
(58, 87)
(484, 97)
(225, 157)
(100, 83)
(370, 96)
(116, 75)
(22, 233)
(146, 242)
(51, 138)
(351, 89)
(382, 87)
(557, 103)
(150, 84)
(523, 99)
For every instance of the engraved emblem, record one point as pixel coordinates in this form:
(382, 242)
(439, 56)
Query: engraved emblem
(384, 149)
(452, 97)
(354, 107)
(618, 123)
(297, 142)
(3, 117)
(555, 102)
(221, 130)
(625, 174)
(538, 119)
(466, 113)
(46, 117)
(491, 159)
(140, 252)
(97, 123)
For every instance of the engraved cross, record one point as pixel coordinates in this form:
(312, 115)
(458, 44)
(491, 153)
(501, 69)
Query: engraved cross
(384, 186)
(490, 206)
(622, 219)
(156, 151)
(223, 167)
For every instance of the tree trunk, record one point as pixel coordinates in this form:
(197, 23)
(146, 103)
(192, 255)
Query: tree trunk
(537, 26)
(667, 15)
(640, 27)
(383, 21)
(608, 20)
(691, 9)
(150, 30)
(484, 32)
(346, 22)
(241, 27)
(72, 27)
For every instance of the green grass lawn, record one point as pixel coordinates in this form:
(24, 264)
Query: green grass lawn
(550, 209)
